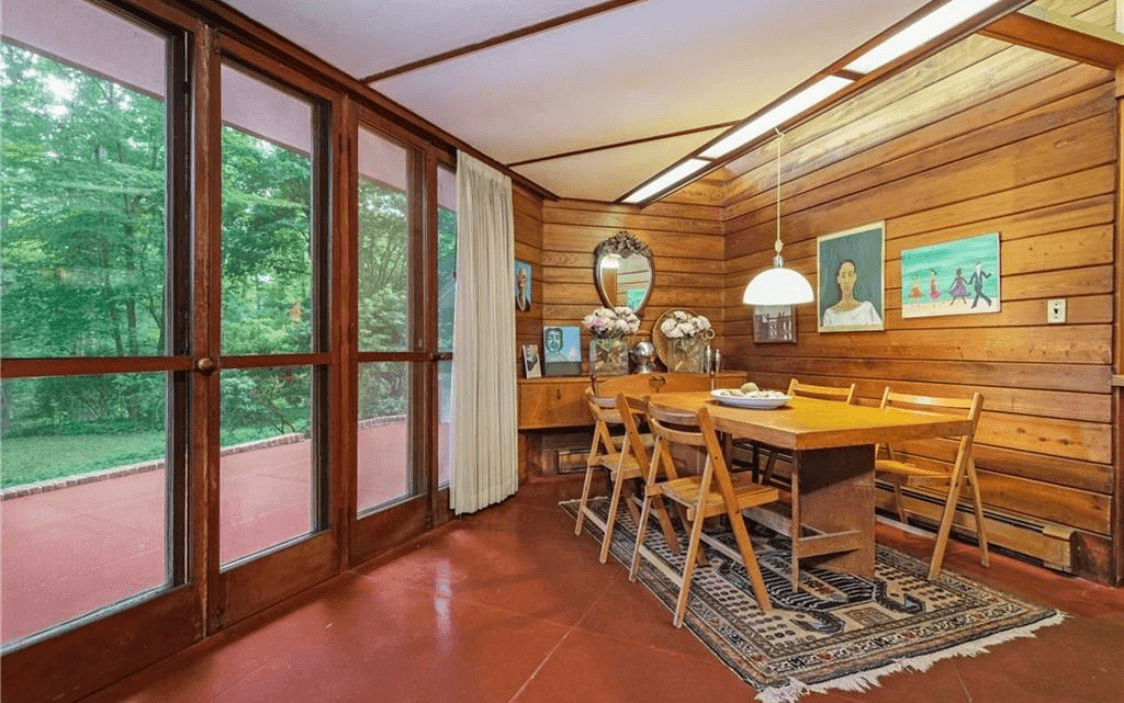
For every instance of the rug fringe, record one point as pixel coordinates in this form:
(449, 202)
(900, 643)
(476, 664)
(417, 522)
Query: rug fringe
(865, 680)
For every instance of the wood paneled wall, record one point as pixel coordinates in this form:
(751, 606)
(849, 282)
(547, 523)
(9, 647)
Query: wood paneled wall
(528, 247)
(982, 137)
(684, 232)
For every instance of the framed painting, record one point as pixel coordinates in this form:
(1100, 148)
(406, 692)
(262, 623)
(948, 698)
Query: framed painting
(960, 277)
(850, 279)
(562, 351)
(774, 323)
(522, 286)
(532, 365)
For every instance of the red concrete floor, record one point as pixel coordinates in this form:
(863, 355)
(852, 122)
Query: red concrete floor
(508, 605)
(67, 552)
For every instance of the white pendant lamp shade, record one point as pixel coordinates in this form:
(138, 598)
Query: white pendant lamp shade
(778, 285)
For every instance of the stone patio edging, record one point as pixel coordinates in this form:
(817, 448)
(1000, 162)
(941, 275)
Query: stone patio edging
(55, 484)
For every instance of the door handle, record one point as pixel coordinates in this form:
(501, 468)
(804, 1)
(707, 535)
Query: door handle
(206, 365)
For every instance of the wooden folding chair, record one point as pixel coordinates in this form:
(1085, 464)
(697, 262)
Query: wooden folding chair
(628, 461)
(927, 472)
(707, 495)
(806, 390)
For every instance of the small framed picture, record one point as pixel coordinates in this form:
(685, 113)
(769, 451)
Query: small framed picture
(562, 351)
(532, 365)
(522, 286)
(774, 323)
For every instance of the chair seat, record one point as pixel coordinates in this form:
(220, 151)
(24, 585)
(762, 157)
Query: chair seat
(631, 467)
(746, 493)
(901, 468)
(645, 439)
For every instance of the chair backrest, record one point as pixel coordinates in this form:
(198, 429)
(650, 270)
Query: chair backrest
(807, 390)
(673, 427)
(965, 407)
(605, 415)
(629, 408)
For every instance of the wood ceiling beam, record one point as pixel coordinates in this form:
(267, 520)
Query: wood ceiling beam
(617, 145)
(499, 39)
(1060, 35)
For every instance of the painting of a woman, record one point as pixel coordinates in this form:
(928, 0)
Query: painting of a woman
(851, 281)
(849, 311)
(959, 290)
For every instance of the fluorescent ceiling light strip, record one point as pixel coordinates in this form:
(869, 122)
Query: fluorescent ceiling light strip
(674, 175)
(776, 115)
(931, 25)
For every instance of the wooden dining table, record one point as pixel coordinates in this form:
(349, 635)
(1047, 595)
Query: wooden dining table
(833, 445)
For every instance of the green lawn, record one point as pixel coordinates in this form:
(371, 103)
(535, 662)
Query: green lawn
(31, 459)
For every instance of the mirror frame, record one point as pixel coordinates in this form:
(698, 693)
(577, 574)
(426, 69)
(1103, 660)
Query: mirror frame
(624, 245)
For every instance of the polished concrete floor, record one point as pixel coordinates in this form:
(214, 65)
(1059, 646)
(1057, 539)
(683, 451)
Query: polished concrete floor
(508, 605)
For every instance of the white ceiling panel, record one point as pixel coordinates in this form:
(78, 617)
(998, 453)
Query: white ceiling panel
(364, 37)
(655, 67)
(607, 175)
(639, 71)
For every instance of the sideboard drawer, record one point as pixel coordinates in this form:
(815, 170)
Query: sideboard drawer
(551, 403)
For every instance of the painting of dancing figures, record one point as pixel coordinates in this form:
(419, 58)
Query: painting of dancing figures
(960, 277)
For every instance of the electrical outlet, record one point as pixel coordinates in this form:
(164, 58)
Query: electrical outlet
(1055, 311)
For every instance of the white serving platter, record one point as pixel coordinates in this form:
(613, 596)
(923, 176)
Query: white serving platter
(745, 402)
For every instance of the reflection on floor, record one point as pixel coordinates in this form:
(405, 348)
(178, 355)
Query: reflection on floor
(69, 551)
(508, 605)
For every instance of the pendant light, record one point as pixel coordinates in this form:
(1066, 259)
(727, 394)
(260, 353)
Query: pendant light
(778, 285)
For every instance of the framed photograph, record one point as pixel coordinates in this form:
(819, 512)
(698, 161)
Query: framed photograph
(562, 351)
(774, 323)
(960, 277)
(532, 365)
(850, 279)
(522, 286)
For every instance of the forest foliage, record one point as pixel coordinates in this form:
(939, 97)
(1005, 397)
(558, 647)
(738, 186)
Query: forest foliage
(84, 254)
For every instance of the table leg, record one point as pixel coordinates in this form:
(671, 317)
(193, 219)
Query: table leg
(833, 493)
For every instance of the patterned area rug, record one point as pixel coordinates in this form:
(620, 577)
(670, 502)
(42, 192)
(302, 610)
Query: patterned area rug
(837, 632)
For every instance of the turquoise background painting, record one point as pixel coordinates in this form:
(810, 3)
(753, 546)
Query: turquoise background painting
(921, 265)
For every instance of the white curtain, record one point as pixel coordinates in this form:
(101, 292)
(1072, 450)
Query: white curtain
(485, 444)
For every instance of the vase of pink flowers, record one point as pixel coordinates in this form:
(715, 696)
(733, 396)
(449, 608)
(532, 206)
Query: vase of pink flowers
(688, 336)
(609, 329)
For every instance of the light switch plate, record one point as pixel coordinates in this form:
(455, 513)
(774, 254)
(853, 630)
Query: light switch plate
(1055, 311)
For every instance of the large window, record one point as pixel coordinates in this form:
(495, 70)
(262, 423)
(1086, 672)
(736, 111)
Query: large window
(267, 466)
(83, 247)
(385, 470)
(446, 307)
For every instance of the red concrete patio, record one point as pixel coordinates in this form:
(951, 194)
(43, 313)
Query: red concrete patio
(67, 552)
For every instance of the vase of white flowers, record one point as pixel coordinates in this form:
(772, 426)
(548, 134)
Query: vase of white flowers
(609, 329)
(688, 336)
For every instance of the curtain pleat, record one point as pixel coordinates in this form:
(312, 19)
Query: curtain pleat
(485, 444)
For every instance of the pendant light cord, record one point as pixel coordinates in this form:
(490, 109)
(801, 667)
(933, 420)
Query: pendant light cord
(777, 245)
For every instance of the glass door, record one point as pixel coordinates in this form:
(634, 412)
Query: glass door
(95, 372)
(397, 403)
(270, 356)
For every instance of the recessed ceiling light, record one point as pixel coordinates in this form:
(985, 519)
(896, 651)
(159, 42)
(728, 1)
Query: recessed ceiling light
(674, 175)
(925, 28)
(778, 114)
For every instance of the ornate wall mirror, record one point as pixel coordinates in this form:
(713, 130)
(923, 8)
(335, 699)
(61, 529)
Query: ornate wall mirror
(623, 272)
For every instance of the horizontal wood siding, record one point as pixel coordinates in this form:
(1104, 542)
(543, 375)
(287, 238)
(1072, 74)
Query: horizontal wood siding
(528, 248)
(684, 231)
(983, 137)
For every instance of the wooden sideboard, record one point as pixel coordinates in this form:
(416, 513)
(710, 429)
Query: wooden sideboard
(553, 402)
